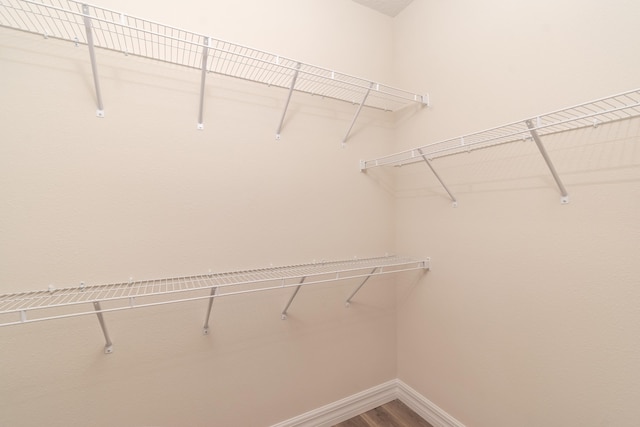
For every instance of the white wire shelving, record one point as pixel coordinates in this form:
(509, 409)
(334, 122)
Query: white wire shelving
(50, 304)
(81, 23)
(613, 108)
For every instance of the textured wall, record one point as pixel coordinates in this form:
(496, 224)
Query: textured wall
(529, 316)
(143, 194)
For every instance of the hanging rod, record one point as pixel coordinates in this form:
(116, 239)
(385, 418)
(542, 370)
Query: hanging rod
(37, 306)
(65, 20)
(613, 108)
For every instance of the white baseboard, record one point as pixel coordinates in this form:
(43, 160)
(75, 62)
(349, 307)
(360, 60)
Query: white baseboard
(356, 404)
(422, 406)
(346, 408)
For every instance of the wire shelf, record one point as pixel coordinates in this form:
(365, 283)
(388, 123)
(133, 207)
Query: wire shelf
(65, 20)
(622, 106)
(27, 307)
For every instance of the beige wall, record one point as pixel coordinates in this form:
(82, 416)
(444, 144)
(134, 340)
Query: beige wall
(143, 194)
(529, 316)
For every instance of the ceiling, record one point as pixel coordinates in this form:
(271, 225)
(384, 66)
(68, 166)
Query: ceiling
(388, 7)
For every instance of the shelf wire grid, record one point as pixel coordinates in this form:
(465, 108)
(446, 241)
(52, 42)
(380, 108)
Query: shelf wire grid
(70, 302)
(64, 19)
(613, 108)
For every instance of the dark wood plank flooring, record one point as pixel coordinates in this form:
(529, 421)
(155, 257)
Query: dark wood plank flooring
(392, 414)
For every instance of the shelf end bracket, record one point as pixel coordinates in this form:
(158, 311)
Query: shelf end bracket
(108, 347)
(564, 199)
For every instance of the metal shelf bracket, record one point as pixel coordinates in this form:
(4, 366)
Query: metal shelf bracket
(564, 199)
(108, 347)
(92, 57)
(203, 76)
(286, 105)
(205, 330)
(364, 99)
(428, 162)
(283, 315)
(347, 303)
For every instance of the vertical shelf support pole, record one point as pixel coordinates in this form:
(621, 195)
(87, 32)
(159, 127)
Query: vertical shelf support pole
(205, 329)
(564, 199)
(108, 347)
(283, 315)
(203, 76)
(353, 294)
(286, 105)
(92, 57)
(428, 162)
(353, 122)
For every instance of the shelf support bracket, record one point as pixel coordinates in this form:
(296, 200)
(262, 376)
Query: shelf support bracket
(205, 329)
(203, 76)
(353, 122)
(286, 105)
(108, 347)
(428, 162)
(347, 303)
(283, 315)
(564, 199)
(92, 57)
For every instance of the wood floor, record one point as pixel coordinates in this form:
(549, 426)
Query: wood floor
(392, 414)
